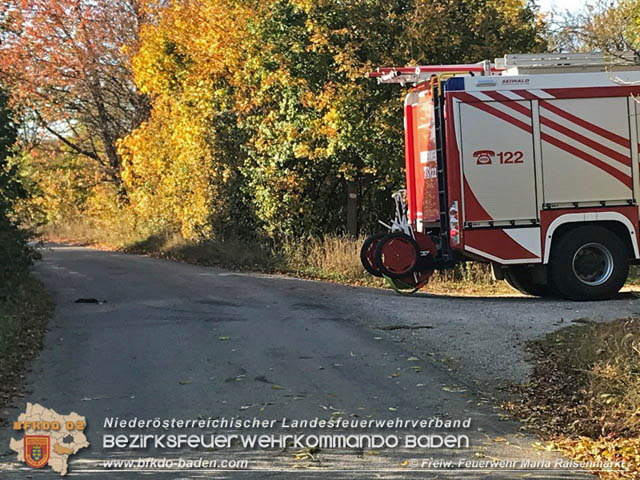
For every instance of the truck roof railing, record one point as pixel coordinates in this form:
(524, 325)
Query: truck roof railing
(513, 64)
(560, 60)
(422, 73)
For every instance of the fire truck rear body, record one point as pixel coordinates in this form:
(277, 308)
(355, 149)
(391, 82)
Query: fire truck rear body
(502, 162)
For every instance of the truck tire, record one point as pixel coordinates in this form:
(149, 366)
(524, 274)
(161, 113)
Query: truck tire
(367, 253)
(589, 263)
(519, 277)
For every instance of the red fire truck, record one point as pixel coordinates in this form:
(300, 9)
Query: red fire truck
(529, 163)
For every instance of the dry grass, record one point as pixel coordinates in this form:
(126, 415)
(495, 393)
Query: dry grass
(585, 393)
(586, 380)
(238, 254)
(610, 356)
(334, 258)
(112, 234)
(337, 258)
(469, 278)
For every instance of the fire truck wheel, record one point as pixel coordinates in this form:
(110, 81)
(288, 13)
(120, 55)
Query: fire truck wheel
(397, 255)
(519, 278)
(367, 253)
(589, 263)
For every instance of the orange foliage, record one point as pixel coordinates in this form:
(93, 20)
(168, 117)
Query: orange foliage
(67, 66)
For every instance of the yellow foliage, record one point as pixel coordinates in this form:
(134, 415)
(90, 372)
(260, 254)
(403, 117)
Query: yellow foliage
(170, 169)
(622, 454)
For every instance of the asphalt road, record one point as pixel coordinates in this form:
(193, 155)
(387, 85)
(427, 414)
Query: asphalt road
(171, 340)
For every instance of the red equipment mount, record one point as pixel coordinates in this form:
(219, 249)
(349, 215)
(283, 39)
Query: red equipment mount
(404, 257)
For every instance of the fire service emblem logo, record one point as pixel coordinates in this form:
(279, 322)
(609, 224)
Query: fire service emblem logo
(48, 438)
(36, 450)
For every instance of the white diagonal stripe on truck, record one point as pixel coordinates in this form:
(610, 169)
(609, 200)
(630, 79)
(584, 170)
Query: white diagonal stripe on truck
(572, 149)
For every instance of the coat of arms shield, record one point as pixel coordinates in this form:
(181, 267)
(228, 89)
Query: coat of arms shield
(36, 450)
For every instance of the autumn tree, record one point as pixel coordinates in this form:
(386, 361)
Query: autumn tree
(68, 66)
(317, 125)
(262, 115)
(612, 28)
(605, 26)
(181, 166)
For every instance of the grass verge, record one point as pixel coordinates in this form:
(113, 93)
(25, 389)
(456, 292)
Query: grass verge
(584, 396)
(331, 258)
(334, 258)
(23, 320)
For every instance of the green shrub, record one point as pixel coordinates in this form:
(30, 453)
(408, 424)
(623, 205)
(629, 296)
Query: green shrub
(16, 256)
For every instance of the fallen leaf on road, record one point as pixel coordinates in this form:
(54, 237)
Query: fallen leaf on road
(277, 387)
(413, 359)
(88, 399)
(454, 389)
(224, 339)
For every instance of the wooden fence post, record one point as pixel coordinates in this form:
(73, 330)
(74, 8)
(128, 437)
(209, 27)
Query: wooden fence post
(352, 209)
